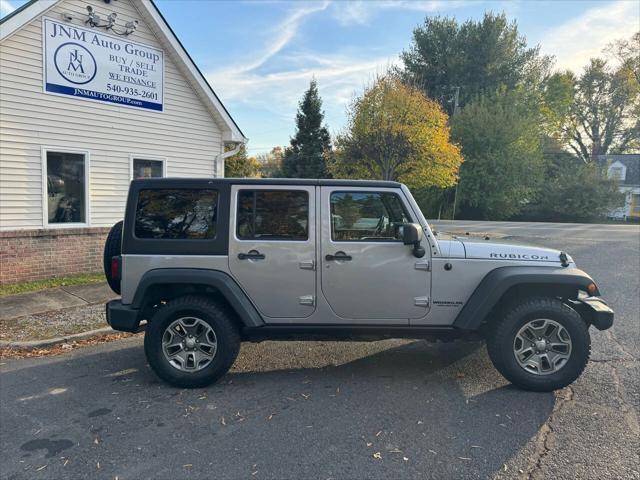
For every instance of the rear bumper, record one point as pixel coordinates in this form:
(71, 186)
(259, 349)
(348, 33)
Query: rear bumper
(122, 317)
(597, 312)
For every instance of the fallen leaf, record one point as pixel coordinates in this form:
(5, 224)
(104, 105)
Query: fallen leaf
(41, 468)
(369, 444)
(476, 446)
(188, 465)
(96, 441)
(405, 459)
(377, 455)
(433, 451)
(420, 422)
(464, 458)
(378, 434)
(270, 416)
(222, 421)
(65, 462)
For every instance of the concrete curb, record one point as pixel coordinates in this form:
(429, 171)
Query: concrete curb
(31, 344)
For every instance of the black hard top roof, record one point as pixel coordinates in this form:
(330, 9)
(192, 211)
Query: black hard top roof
(173, 182)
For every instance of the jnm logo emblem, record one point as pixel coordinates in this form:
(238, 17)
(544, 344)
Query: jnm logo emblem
(75, 63)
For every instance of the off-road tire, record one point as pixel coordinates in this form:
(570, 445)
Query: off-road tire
(502, 334)
(112, 248)
(217, 317)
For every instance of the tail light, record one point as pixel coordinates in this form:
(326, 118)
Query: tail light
(115, 267)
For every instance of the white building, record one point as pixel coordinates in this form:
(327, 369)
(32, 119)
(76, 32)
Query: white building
(625, 168)
(93, 93)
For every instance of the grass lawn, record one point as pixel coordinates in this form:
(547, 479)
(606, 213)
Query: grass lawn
(14, 288)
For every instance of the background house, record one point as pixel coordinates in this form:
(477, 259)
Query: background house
(92, 94)
(626, 170)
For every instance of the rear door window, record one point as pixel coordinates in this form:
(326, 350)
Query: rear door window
(178, 214)
(272, 215)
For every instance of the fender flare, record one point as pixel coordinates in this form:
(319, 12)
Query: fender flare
(496, 283)
(222, 282)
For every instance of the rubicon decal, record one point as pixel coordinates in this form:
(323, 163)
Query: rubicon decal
(518, 256)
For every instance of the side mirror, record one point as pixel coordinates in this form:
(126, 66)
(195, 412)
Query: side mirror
(412, 235)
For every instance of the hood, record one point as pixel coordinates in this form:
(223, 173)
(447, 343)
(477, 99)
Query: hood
(502, 251)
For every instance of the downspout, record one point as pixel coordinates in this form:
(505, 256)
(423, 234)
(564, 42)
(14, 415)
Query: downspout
(220, 158)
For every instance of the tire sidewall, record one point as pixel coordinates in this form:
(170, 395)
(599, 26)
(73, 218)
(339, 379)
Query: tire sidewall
(227, 346)
(580, 347)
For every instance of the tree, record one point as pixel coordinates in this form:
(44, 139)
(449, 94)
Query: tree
(604, 114)
(501, 142)
(395, 132)
(271, 163)
(627, 52)
(306, 156)
(475, 57)
(240, 165)
(574, 191)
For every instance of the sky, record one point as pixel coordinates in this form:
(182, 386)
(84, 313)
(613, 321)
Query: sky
(259, 55)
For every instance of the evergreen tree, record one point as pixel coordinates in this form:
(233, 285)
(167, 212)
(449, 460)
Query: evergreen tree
(306, 156)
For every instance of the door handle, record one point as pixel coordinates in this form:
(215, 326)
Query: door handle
(251, 255)
(338, 256)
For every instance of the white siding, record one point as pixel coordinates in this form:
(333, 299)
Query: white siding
(185, 134)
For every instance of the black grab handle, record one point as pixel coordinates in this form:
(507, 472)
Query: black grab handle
(338, 256)
(252, 255)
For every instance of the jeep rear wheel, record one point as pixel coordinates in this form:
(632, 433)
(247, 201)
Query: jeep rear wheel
(540, 345)
(191, 342)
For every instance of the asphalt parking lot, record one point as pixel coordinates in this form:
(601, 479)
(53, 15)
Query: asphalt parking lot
(392, 409)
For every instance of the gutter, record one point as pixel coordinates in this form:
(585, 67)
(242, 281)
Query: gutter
(221, 157)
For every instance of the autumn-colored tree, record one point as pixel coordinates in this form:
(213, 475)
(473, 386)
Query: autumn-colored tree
(240, 165)
(395, 132)
(271, 163)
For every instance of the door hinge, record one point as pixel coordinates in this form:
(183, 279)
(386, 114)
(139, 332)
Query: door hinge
(421, 301)
(423, 265)
(307, 300)
(307, 265)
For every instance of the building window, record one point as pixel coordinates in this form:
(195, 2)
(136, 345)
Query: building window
(635, 204)
(147, 168)
(616, 173)
(273, 215)
(66, 188)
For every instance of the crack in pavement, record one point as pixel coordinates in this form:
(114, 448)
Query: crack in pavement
(628, 412)
(622, 348)
(545, 439)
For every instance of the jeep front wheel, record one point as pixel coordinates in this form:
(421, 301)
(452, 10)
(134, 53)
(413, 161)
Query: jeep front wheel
(540, 345)
(191, 342)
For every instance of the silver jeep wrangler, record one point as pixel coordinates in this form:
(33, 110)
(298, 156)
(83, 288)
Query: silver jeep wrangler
(205, 264)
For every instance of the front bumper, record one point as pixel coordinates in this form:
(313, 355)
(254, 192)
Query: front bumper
(597, 312)
(123, 317)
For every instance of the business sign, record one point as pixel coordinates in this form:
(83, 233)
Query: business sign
(88, 64)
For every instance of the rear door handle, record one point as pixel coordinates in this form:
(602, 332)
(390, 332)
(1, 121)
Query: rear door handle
(251, 255)
(341, 256)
